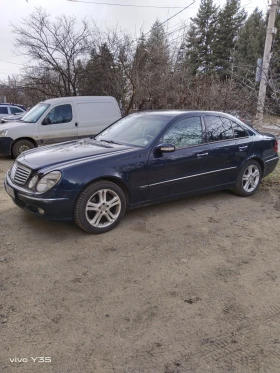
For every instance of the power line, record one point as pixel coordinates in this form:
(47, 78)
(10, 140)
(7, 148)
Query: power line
(14, 63)
(126, 5)
(167, 20)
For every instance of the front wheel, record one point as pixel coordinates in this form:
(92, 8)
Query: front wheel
(21, 146)
(100, 207)
(248, 179)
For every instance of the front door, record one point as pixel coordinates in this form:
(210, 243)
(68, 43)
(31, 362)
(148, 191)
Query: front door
(58, 125)
(187, 168)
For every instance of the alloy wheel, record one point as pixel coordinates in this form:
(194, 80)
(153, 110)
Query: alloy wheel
(250, 178)
(103, 208)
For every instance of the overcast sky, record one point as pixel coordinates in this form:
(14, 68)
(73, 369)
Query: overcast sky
(129, 18)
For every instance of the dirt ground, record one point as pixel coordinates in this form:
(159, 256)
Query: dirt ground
(187, 286)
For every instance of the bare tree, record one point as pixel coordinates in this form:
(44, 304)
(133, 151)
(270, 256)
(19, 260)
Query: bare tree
(55, 49)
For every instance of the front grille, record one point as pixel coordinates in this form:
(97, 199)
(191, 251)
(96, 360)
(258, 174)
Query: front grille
(19, 174)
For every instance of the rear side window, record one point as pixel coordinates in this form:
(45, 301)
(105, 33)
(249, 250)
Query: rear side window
(238, 130)
(87, 111)
(3, 110)
(186, 132)
(15, 110)
(218, 128)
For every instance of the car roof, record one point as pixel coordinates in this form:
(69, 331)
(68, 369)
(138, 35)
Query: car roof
(77, 98)
(10, 104)
(177, 113)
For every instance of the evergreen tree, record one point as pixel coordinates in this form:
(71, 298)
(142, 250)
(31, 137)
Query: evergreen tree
(102, 74)
(230, 19)
(200, 37)
(251, 39)
(158, 63)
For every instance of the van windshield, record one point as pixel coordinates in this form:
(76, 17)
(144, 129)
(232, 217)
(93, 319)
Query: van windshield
(35, 113)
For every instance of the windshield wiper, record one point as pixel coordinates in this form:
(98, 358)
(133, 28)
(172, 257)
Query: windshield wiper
(110, 142)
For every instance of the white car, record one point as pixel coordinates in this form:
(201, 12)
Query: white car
(57, 120)
(11, 109)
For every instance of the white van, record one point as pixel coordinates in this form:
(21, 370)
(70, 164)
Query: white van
(57, 120)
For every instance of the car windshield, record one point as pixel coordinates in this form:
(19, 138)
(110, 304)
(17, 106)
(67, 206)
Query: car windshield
(35, 113)
(136, 129)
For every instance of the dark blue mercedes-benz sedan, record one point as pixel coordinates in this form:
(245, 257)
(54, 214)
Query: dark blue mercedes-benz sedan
(141, 159)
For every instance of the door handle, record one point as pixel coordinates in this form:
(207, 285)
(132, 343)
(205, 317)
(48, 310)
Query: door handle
(202, 155)
(76, 124)
(243, 147)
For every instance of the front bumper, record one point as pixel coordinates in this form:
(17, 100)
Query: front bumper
(49, 208)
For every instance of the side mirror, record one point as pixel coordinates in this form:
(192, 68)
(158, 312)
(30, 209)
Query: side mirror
(165, 148)
(46, 121)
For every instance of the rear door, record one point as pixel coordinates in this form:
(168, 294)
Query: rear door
(187, 168)
(58, 125)
(229, 147)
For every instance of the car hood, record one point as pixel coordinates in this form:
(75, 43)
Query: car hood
(69, 152)
(10, 125)
(14, 117)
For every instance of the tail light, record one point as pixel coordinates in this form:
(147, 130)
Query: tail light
(276, 146)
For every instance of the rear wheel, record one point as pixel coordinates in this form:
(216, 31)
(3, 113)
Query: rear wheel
(100, 207)
(248, 179)
(21, 146)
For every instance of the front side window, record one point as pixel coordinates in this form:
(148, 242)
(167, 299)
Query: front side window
(35, 113)
(186, 132)
(59, 114)
(3, 110)
(15, 110)
(238, 130)
(218, 128)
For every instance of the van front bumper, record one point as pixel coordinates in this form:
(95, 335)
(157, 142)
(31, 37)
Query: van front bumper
(5, 145)
(49, 208)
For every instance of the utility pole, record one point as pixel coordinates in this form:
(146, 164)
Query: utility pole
(266, 59)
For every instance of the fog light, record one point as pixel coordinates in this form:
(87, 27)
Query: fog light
(41, 211)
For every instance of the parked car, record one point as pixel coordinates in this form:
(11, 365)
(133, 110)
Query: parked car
(56, 120)
(13, 118)
(11, 109)
(141, 159)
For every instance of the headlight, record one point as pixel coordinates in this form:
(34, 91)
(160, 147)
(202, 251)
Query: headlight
(33, 181)
(3, 133)
(48, 181)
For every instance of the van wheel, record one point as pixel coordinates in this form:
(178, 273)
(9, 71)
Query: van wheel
(21, 146)
(100, 207)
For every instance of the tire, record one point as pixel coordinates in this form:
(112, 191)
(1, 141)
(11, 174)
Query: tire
(246, 183)
(92, 211)
(20, 146)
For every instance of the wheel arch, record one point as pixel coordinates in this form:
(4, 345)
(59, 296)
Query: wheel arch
(259, 160)
(114, 179)
(24, 138)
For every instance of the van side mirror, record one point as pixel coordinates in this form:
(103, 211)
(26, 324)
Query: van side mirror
(46, 121)
(165, 148)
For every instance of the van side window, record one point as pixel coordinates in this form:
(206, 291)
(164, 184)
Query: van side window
(59, 114)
